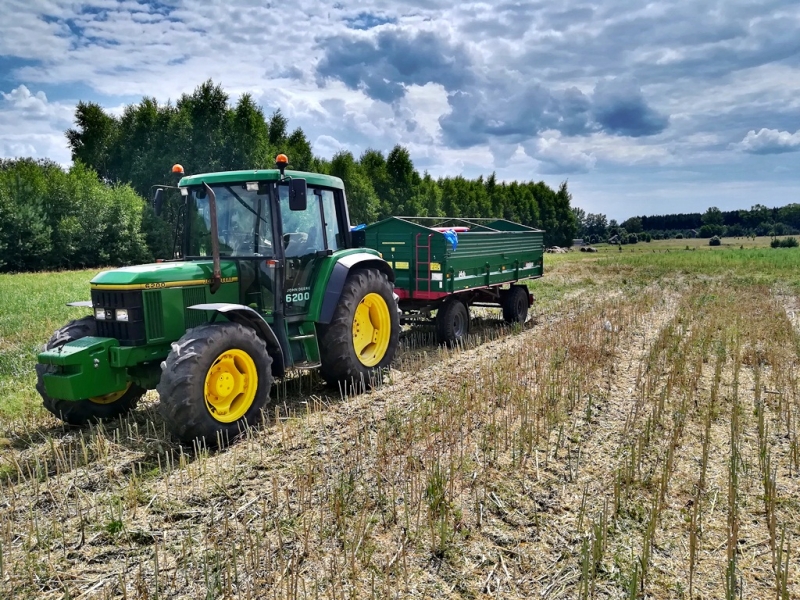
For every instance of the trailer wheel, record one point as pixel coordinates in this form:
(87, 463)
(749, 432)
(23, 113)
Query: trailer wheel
(364, 332)
(214, 382)
(452, 322)
(515, 304)
(90, 410)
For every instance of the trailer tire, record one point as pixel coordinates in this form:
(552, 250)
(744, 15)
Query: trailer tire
(515, 304)
(364, 332)
(452, 322)
(89, 410)
(214, 383)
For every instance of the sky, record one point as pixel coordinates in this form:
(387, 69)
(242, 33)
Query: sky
(643, 107)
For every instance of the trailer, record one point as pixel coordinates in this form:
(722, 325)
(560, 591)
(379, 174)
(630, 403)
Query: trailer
(448, 265)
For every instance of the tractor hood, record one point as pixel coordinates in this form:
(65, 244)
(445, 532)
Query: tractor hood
(163, 275)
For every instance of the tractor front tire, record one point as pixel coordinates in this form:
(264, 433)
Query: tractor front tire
(364, 332)
(89, 410)
(452, 322)
(214, 383)
(515, 304)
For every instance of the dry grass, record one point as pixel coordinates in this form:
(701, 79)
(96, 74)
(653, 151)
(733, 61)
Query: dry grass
(638, 439)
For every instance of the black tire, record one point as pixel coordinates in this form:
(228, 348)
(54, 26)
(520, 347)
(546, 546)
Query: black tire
(82, 412)
(340, 361)
(452, 322)
(515, 304)
(183, 382)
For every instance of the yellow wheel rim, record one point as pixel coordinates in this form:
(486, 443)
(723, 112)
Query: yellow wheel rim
(372, 329)
(231, 385)
(110, 398)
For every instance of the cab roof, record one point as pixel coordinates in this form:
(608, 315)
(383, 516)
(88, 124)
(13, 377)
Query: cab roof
(260, 175)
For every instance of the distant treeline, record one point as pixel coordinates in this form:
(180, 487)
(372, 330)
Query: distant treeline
(96, 213)
(759, 220)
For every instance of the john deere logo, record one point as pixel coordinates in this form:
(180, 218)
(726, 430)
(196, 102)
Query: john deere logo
(109, 314)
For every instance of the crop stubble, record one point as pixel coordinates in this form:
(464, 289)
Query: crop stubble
(563, 460)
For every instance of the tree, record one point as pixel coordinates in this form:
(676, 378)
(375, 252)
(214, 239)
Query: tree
(633, 225)
(362, 201)
(713, 216)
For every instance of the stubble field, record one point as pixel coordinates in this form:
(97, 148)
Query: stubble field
(637, 438)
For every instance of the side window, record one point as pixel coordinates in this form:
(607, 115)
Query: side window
(331, 222)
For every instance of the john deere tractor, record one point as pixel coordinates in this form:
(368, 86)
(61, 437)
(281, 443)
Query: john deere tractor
(268, 281)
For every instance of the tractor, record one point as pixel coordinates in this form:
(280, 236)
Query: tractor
(268, 280)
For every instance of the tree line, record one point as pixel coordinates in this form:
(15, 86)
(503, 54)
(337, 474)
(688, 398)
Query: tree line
(759, 220)
(96, 213)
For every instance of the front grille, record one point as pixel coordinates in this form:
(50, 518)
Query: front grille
(130, 332)
(155, 314)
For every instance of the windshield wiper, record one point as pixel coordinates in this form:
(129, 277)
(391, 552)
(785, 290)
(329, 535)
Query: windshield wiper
(243, 203)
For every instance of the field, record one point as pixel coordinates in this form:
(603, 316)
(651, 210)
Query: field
(638, 438)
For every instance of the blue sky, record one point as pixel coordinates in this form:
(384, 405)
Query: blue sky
(646, 108)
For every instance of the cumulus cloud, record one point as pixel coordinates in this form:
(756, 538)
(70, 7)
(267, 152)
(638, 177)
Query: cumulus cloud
(517, 112)
(619, 107)
(382, 66)
(30, 125)
(557, 156)
(769, 141)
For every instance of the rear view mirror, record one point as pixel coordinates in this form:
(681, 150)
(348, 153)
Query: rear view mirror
(298, 194)
(158, 200)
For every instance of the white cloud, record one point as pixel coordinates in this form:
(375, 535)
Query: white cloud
(557, 156)
(30, 125)
(769, 141)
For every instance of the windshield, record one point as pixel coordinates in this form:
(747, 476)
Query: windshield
(244, 222)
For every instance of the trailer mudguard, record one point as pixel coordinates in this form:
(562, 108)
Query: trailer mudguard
(244, 315)
(333, 289)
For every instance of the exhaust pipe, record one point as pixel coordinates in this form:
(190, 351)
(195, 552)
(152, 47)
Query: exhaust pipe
(216, 277)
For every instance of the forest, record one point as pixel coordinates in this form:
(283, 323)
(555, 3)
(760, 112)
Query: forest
(96, 213)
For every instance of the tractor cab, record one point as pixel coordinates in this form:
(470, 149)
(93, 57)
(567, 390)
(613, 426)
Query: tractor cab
(275, 226)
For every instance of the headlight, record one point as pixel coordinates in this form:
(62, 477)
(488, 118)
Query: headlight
(121, 314)
(100, 313)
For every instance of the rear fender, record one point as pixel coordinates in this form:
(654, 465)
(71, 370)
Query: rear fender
(335, 285)
(244, 315)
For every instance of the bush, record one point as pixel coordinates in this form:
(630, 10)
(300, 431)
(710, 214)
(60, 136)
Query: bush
(679, 236)
(633, 238)
(56, 219)
(789, 242)
(715, 241)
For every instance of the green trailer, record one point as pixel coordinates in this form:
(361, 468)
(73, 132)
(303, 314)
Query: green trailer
(449, 264)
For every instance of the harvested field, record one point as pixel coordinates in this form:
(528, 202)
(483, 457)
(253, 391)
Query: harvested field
(638, 438)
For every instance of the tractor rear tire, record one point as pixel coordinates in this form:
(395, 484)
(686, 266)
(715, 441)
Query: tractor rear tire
(452, 322)
(90, 410)
(515, 304)
(364, 333)
(215, 383)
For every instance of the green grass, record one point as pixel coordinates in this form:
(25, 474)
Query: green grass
(32, 307)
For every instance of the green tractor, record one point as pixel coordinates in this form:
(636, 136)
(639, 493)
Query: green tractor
(269, 280)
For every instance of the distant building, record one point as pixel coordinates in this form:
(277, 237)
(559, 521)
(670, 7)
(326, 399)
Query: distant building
(578, 242)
